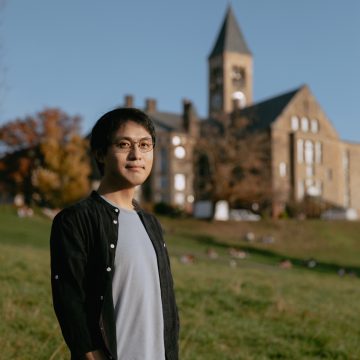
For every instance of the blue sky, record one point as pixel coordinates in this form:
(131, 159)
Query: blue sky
(85, 55)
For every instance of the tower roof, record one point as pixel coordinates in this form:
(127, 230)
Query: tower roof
(230, 38)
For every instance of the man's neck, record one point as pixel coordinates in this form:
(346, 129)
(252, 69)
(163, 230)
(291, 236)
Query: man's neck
(120, 197)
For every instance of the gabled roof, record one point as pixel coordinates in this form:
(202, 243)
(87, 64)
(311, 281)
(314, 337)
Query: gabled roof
(230, 38)
(167, 121)
(264, 113)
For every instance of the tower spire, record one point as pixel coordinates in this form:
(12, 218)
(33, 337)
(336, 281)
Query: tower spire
(230, 38)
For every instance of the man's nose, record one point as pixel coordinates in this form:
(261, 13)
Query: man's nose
(134, 152)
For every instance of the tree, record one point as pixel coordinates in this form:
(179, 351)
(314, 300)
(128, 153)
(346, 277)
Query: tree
(233, 163)
(45, 158)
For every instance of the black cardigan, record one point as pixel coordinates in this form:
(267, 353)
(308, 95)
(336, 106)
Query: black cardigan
(82, 263)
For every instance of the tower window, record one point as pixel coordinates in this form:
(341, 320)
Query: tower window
(216, 78)
(238, 77)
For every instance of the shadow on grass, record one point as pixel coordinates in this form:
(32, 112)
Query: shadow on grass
(310, 264)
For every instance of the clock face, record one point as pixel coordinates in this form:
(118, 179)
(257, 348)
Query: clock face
(180, 152)
(239, 96)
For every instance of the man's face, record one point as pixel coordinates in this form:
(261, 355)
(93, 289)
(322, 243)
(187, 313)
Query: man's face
(128, 169)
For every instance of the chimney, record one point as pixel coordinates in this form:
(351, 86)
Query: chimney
(129, 101)
(187, 114)
(150, 105)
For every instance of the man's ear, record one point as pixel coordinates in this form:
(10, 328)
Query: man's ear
(99, 156)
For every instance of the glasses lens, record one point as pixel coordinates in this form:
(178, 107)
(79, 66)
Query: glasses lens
(145, 145)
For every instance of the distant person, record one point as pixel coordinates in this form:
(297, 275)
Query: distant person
(110, 273)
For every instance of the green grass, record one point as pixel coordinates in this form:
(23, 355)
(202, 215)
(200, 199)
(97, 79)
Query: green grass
(254, 310)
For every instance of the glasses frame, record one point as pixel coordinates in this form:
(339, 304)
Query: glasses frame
(132, 143)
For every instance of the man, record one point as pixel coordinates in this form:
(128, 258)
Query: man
(110, 272)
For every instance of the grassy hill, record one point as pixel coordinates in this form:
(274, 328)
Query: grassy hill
(230, 308)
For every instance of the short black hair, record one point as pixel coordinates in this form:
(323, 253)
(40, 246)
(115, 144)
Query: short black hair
(103, 131)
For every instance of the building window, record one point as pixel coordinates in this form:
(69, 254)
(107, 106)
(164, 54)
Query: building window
(314, 126)
(179, 152)
(238, 77)
(301, 189)
(318, 152)
(319, 186)
(176, 140)
(310, 171)
(300, 151)
(294, 123)
(282, 169)
(309, 152)
(163, 160)
(304, 124)
(179, 182)
(179, 199)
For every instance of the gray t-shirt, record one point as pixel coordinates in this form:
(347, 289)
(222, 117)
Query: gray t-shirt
(136, 293)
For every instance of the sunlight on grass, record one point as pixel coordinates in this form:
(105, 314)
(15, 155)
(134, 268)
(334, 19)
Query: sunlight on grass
(229, 308)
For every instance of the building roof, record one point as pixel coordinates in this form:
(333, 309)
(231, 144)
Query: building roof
(167, 121)
(230, 38)
(264, 113)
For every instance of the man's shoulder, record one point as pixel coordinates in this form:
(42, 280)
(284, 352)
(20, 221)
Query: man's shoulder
(83, 207)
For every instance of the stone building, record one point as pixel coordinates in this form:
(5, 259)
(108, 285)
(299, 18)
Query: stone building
(172, 177)
(306, 155)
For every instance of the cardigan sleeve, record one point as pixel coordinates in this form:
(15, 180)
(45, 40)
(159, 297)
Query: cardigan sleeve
(68, 253)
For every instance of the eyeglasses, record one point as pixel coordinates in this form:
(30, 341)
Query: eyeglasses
(126, 145)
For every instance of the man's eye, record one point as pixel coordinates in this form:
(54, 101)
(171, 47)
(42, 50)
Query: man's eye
(123, 145)
(145, 145)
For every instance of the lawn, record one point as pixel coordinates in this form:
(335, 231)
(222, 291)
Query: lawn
(230, 308)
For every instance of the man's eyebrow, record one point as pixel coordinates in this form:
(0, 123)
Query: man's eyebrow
(132, 139)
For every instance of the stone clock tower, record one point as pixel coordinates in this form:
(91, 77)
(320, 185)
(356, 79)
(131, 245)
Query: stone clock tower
(230, 69)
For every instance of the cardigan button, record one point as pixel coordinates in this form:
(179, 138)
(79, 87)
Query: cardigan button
(108, 269)
(115, 221)
(112, 246)
(116, 210)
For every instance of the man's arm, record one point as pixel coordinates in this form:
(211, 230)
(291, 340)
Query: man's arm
(68, 275)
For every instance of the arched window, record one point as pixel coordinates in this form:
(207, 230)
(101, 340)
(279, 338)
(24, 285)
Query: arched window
(294, 123)
(304, 124)
(314, 126)
(309, 152)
